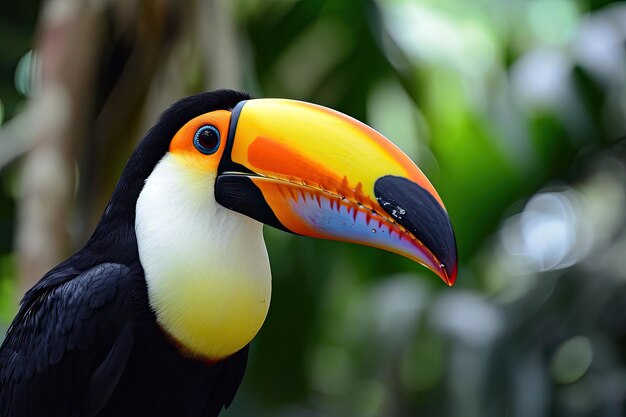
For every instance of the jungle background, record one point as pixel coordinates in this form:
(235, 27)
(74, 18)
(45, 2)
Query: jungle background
(516, 111)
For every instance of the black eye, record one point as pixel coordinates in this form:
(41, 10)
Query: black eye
(207, 139)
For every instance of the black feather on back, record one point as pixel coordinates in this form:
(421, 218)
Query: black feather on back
(85, 341)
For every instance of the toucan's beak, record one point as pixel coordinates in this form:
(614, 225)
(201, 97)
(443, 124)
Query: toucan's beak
(316, 172)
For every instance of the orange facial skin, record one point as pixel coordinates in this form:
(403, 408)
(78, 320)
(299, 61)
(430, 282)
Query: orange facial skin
(182, 144)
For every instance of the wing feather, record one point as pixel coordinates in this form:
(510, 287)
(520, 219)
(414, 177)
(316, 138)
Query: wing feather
(69, 343)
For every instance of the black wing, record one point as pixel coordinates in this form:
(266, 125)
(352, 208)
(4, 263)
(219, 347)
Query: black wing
(67, 348)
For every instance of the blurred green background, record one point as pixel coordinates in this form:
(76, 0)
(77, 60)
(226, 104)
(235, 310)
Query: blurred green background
(516, 110)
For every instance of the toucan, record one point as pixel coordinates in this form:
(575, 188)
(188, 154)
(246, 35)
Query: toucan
(154, 315)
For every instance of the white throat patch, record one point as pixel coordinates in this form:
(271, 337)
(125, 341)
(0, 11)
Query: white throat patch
(206, 267)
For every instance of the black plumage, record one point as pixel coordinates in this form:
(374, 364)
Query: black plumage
(85, 341)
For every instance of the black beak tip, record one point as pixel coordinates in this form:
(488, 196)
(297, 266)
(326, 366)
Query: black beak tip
(420, 213)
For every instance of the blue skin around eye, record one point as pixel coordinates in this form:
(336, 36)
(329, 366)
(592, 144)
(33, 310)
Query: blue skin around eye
(196, 140)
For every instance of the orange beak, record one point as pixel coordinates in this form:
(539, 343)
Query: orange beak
(316, 172)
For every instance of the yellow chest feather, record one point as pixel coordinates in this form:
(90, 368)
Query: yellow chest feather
(206, 267)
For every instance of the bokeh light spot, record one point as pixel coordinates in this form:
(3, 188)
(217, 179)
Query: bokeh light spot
(571, 360)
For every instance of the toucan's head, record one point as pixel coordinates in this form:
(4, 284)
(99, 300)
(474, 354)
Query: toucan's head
(296, 166)
(316, 172)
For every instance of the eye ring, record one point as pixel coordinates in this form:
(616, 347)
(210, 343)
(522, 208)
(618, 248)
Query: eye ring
(207, 139)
